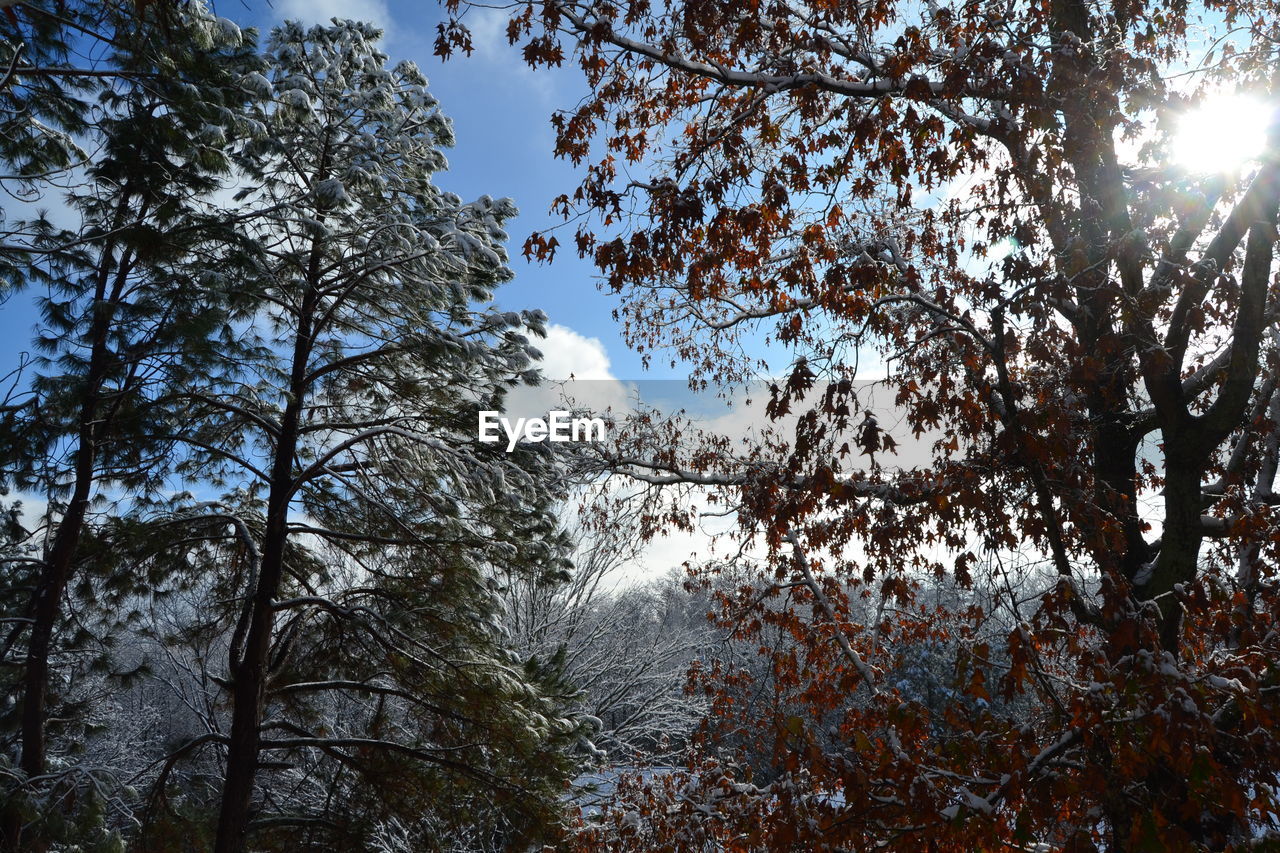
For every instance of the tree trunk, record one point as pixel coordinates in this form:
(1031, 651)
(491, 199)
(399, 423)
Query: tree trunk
(250, 676)
(58, 565)
(250, 672)
(54, 576)
(1180, 540)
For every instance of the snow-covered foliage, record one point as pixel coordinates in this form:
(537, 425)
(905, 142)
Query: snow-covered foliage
(626, 644)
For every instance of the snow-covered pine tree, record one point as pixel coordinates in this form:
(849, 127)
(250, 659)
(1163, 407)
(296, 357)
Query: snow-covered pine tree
(124, 324)
(369, 687)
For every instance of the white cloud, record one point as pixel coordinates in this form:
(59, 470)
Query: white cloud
(576, 373)
(320, 11)
(715, 537)
(488, 28)
(565, 354)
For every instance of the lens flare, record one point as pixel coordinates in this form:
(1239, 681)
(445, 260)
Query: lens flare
(1222, 134)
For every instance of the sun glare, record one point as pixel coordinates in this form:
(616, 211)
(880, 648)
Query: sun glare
(1222, 134)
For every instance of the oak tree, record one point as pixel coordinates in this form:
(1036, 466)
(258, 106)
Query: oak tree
(1080, 329)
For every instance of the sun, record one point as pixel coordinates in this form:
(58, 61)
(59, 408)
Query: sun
(1222, 134)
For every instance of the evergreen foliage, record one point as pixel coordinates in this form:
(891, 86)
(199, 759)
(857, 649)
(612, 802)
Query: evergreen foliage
(255, 606)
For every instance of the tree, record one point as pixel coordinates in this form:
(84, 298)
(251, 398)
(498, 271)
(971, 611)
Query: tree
(124, 326)
(624, 643)
(57, 56)
(263, 581)
(366, 514)
(1083, 330)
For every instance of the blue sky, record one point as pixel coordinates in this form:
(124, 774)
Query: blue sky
(501, 112)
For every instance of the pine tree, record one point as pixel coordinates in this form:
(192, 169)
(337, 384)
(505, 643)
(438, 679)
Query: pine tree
(362, 647)
(125, 321)
(56, 57)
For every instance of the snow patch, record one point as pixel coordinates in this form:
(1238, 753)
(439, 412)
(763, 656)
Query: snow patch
(255, 84)
(331, 192)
